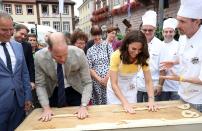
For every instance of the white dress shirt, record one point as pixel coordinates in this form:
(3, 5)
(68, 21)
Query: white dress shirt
(65, 80)
(11, 53)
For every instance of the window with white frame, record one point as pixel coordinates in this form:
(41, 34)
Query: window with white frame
(8, 8)
(126, 1)
(31, 22)
(47, 23)
(66, 10)
(66, 26)
(56, 25)
(30, 10)
(55, 9)
(45, 9)
(18, 10)
(98, 4)
(116, 2)
(104, 3)
(88, 5)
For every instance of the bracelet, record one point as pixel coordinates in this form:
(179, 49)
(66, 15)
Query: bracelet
(151, 97)
(84, 105)
(181, 78)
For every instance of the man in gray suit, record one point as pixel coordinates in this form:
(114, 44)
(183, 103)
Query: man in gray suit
(15, 88)
(76, 77)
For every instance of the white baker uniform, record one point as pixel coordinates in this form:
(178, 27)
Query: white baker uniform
(191, 63)
(154, 48)
(169, 52)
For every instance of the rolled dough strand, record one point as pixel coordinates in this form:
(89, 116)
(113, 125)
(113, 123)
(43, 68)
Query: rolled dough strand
(189, 114)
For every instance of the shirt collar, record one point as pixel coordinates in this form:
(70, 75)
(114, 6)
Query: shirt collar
(196, 36)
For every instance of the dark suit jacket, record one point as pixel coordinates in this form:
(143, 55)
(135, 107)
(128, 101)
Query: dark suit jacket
(29, 60)
(89, 44)
(16, 83)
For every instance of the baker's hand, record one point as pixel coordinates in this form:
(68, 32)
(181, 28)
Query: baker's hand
(82, 112)
(28, 106)
(166, 65)
(151, 105)
(157, 90)
(47, 114)
(128, 108)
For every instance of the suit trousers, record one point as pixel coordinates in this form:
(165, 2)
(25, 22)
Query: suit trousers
(12, 117)
(73, 98)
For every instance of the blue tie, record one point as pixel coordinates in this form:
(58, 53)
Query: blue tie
(61, 86)
(8, 58)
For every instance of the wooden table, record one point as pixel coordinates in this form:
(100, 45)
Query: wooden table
(103, 118)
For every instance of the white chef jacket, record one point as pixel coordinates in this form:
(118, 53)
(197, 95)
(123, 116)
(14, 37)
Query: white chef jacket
(191, 64)
(154, 48)
(169, 52)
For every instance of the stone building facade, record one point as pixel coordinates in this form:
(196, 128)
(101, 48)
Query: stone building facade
(136, 12)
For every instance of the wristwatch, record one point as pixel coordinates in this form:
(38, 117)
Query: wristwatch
(84, 105)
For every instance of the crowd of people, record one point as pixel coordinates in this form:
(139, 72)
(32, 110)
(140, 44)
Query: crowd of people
(75, 71)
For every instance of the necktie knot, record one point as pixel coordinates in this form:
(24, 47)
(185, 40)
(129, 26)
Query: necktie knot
(3, 43)
(8, 58)
(59, 66)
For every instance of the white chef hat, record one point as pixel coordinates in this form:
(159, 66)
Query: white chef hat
(190, 9)
(170, 23)
(149, 18)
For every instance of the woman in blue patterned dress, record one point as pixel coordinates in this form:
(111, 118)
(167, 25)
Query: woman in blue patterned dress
(98, 58)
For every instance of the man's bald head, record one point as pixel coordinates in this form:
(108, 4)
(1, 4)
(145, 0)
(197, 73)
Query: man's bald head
(58, 47)
(55, 39)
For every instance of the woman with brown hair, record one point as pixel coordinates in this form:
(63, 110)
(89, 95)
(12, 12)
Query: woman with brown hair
(111, 38)
(111, 34)
(98, 58)
(124, 64)
(79, 39)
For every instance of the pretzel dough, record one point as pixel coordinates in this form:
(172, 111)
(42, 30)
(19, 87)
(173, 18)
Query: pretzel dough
(189, 114)
(184, 106)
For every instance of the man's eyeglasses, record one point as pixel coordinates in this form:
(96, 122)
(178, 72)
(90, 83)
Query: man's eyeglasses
(80, 43)
(170, 31)
(147, 30)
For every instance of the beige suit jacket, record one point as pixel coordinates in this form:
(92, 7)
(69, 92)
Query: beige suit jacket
(76, 72)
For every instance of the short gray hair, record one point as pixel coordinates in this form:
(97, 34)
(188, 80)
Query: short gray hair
(50, 44)
(4, 14)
